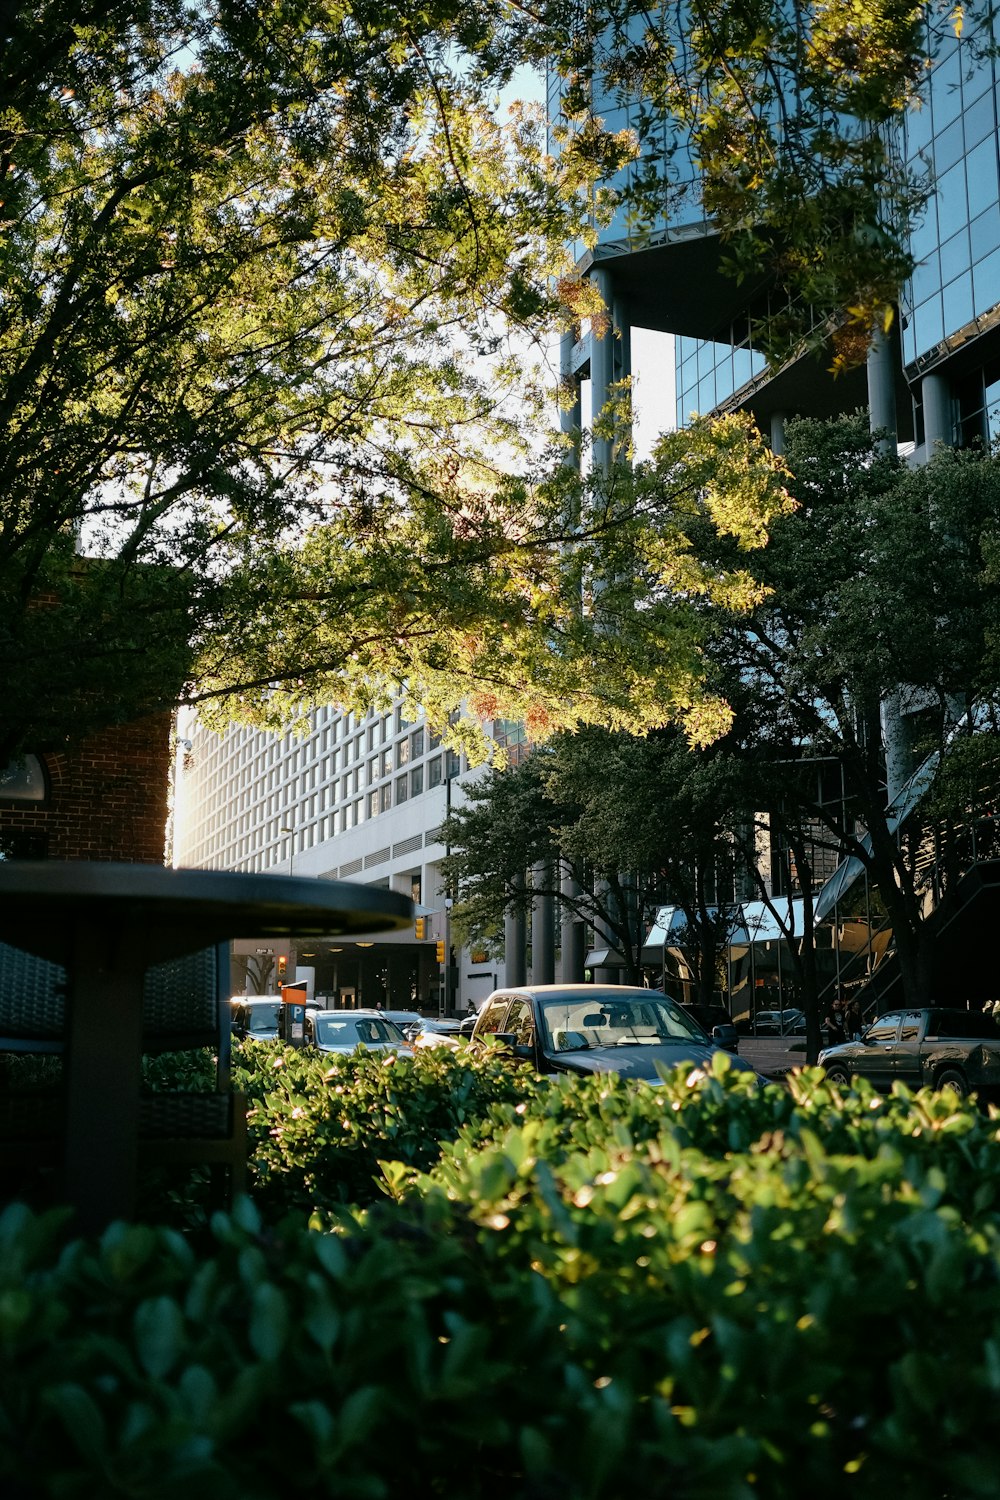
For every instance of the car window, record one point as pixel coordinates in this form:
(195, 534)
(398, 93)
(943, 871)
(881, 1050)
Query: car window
(910, 1029)
(347, 1031)
(521, 1023)
(262, 1017)
(610, 1019)
(960, 1023)
(884, 1029)
(494, 1012)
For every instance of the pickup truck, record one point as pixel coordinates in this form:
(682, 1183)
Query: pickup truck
(934, 1047)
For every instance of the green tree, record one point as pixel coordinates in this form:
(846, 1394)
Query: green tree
(611, 827)
(879, 591)
(782, 125)
(253, 260)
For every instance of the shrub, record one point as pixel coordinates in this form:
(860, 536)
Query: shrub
(707, 1290)
(320, 1124)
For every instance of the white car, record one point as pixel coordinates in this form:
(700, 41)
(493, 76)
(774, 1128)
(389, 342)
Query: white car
(439, 1033)
(344, 1030)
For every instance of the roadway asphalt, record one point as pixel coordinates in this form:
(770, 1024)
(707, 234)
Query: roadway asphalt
(773, 1056)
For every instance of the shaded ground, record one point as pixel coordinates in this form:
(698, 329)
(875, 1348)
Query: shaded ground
(774, 1056)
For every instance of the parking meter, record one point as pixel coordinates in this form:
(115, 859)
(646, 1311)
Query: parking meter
(292, 1017)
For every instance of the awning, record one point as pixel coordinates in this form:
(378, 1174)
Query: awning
(899, 809)
(753, 922)
(668, 918)
(604, 958)
(760, 925)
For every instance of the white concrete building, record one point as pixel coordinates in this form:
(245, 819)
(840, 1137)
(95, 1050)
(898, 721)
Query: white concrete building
(355, 798)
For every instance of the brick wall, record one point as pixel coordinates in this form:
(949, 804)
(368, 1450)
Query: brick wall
(107, 799)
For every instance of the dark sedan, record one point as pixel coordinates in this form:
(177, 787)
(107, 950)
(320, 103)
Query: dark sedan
(257, 1018)
(936, 1046)
(590, 1028)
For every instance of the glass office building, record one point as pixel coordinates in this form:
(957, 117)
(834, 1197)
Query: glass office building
(943, 383)
(935, 380)
(354, 797)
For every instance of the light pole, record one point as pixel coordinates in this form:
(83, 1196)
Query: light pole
(447, 956)
(291, 847)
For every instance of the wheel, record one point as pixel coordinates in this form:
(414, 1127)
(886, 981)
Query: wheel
(838, 1075)
(951, 1078)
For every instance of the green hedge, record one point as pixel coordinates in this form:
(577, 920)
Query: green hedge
(320, 1124)
(707, 1291)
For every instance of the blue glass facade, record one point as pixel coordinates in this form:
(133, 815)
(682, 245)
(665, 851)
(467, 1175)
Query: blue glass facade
(957, 244)
(950, 309)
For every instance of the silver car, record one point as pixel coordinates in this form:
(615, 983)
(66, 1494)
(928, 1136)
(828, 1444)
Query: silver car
(597, 1028)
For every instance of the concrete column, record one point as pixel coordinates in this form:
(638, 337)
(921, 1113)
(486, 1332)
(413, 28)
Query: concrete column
(778, 432)
(882, 390)
(939, 420)
(602, 368)
(570, 417)
(514, 948)
(603, 939)
(543, 948)
(623, 370)
(573, 936)
(898, 743)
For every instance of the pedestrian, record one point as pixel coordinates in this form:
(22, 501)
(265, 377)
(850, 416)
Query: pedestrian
(833, 1023)
(852, 1020)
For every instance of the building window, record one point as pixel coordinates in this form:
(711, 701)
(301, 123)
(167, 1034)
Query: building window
(434, 769)
(452, 763)
(373, 803)
(416, 781)
(402, 789)
(417, 743)
(402, 752)
(23, 780)
(386, 796)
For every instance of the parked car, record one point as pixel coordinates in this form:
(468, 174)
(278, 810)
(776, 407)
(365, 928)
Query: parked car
(344, 1030)
(780, 1023)
(408, 1021)
(257, 1018)
(716, 1021)
(596, 1028)
(936, 1046)
(443, 1031)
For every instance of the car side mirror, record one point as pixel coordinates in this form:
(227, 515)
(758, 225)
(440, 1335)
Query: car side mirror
(509, 1040)
(726, 1036)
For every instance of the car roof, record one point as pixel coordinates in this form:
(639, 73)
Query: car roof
(361, 1010)
(573, 991)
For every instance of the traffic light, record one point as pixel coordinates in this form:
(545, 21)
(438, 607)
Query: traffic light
(440, 950)
(282, 965)
(420, 928)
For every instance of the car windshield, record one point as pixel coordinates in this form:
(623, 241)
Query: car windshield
(606, 1020)
(263, 1017)
(348, 1031)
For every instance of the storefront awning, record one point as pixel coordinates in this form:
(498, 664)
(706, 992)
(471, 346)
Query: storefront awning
(760, 925)
(604, 958)
(850, 869)
(753, 922)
